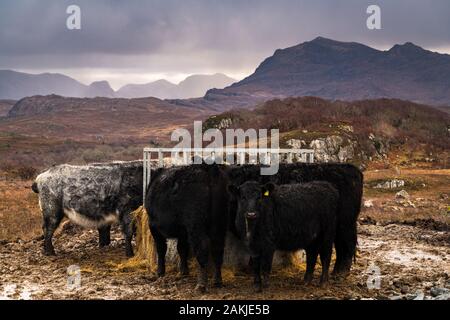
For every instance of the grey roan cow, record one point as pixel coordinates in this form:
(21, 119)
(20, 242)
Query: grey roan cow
(190, 204)
(287, 217)
(93, 196)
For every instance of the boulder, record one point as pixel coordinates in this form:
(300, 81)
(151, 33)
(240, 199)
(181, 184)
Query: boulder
(402, 195)
(368, 204)
(333, 149)
(296, 143)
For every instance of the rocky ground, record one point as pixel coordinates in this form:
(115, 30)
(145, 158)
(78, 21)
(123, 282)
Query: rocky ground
(413, 263)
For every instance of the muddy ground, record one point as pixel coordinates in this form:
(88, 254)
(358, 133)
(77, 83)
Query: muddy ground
(408, 239)
(413, 263)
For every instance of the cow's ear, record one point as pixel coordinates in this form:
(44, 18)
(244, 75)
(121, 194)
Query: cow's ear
(267, 189)
(232, 189)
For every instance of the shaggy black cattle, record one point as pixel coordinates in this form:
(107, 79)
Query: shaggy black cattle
(190, 204)
(93, 196)
(346, 178)
(288, 218)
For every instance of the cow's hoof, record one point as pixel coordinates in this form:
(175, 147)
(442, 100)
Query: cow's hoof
(218, 284)
(49, 252)
(160, 274)
(184, 271)
(257, 288)
(129, 254)
(340, 273)
(265, 283)
(200, 288)
(307, 281)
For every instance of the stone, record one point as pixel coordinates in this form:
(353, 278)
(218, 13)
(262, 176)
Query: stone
(333, 149)
(445, 296)
(368, 204)
(402, 195)
(296, 143)
(419, 295)
(437, 291)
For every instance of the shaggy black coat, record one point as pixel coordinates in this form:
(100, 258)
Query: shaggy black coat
(288, 218)
(190, 204)
(346, 178)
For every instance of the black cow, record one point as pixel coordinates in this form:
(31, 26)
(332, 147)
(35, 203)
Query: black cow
(288, 218)
(190, 204)
(346, 178)
(93, 196)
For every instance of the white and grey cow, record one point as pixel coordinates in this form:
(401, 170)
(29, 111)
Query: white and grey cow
(93, 196)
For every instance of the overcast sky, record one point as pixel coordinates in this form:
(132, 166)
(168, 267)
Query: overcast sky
(141, 41)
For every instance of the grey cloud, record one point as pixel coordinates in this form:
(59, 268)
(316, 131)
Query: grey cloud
(189, 34)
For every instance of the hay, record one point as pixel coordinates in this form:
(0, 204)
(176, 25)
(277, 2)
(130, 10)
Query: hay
(144, 253)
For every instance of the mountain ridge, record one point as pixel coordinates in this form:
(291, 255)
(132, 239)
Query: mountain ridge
(337, 70)
(17, 85)
(192, 86)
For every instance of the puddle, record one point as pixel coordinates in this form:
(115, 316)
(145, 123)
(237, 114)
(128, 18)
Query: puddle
(411, 257)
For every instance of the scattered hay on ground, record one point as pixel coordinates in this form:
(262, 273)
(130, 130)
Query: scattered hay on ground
(144, 253)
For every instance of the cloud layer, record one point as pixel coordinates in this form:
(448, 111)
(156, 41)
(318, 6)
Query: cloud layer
(198, 36)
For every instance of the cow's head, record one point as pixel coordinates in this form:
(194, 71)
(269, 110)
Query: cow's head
(254, 204)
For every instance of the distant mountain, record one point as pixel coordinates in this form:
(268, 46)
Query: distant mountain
(192, 86)
(99, 89)
(16, 85)
(5, 106)
(197, 85)
(340, 70)
(159, 89)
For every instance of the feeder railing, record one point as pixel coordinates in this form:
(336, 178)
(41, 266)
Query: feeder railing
(185, 156)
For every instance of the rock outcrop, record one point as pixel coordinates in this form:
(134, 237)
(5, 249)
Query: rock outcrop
(333, 149)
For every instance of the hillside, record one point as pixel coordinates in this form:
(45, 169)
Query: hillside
(340, 70)
(386, 130)
(43, 130)
(5, 106)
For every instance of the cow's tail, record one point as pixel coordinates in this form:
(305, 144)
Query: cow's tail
(34, 187)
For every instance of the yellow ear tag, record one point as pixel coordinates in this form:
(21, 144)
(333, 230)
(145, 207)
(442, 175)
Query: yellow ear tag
(266, 194)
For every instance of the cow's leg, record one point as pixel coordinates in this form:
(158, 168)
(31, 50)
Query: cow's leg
(325, 258)
(266, 267)
(256, 266)
(161, 249)
(183, 252)
(345, 245)
(51, 223)
(200, 248)
(217, 250)
(127, 230)
(104, 236)
(311, 258)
